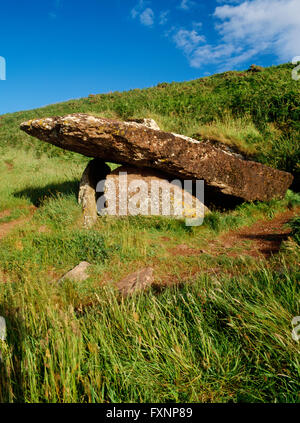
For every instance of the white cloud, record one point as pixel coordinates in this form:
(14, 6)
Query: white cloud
(187, 40)
(197, 25)
(225, 55)
(147, 17)
(246, 30)
(163, 17)
(186, 4)
(265, 25)
(230, 1)
(138, 8)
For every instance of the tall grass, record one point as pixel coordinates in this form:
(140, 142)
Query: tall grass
(295, 225)
(225, 336)
(222, 335)
(217, 340)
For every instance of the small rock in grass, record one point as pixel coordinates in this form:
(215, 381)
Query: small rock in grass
(77, 274)
(137, 281)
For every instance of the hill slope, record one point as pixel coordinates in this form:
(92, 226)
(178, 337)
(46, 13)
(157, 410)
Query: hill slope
(258, 111)
(216, 324)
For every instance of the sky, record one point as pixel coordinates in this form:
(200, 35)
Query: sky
(57, 50)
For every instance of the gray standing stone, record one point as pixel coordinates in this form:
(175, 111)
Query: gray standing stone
(94, 172)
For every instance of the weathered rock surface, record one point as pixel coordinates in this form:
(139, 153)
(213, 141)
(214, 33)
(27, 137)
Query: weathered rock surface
(150, 123)
(78, 274)
(94, 172)
(136, 282)
(137, 145)
(147, 192)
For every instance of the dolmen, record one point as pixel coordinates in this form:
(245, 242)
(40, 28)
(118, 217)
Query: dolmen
(150, 155)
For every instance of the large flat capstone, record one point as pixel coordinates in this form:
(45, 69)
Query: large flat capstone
(140, 146)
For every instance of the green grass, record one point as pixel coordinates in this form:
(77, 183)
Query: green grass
(220, 340)
(222, 334)
(295, 225)
(54, 249)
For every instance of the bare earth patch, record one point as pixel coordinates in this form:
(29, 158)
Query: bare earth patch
(184, 250)
(3, 277)
(260, 240)
(4, 213)
(5, 228)
(9, 166)
(265, 237)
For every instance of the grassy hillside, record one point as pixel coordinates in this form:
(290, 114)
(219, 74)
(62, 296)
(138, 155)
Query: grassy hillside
(259, 112)
(216, 325)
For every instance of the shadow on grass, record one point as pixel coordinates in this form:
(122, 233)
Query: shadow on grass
(271, 243)
(37, 194)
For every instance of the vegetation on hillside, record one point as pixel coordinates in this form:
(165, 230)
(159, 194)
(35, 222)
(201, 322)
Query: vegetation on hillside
(216, 325)
(259, 112)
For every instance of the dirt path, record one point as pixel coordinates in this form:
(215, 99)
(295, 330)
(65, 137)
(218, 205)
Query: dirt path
(262, 239)
(265, 236)
(4, 213)
(5, 228)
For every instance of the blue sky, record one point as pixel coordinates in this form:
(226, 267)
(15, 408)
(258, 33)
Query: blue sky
(56, 50)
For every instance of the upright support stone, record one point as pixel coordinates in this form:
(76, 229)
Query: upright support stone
(96, 170)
